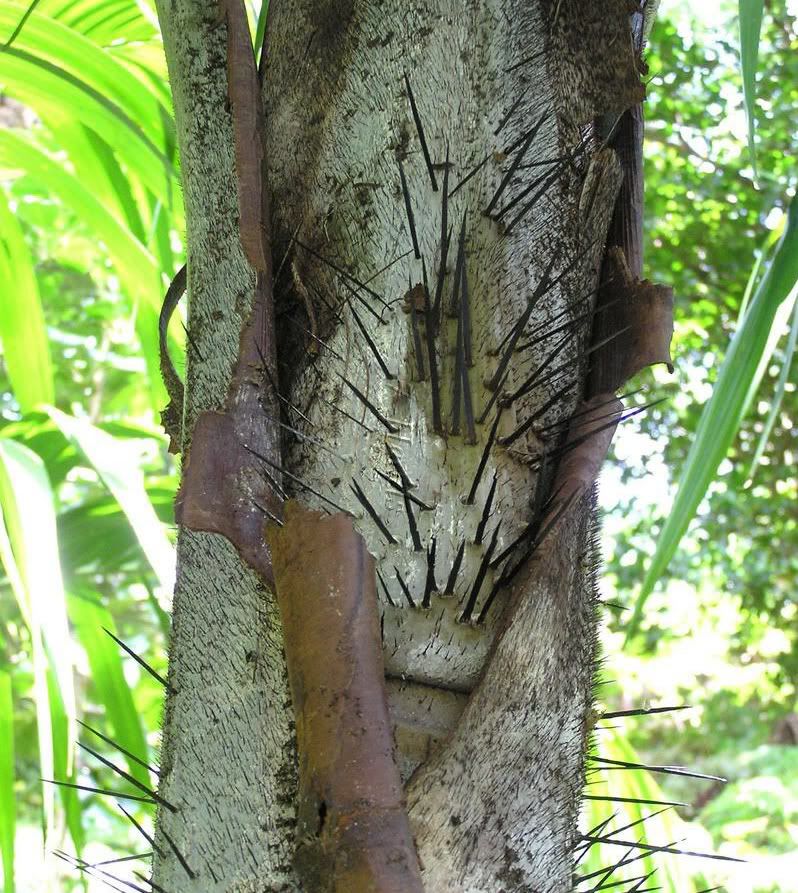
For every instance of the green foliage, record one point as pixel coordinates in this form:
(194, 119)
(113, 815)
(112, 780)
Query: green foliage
(704, 219)
(90, 212)
(759, 808)
(731, 396)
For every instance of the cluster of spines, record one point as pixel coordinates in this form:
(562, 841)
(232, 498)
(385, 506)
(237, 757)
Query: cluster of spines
(596, 880)
(555, 372)
(146, 794)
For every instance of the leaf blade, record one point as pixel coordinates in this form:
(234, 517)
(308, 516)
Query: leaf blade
(125, 481)
(750, 28)
(26, 349)
(29, 551)
(8, 817)
(722, 415)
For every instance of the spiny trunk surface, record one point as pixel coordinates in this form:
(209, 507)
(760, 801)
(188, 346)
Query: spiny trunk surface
(432, 298)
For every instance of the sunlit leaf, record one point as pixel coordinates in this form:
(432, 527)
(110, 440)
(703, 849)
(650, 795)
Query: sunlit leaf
(53, 67)
(8, 812)
(29, 550)
(136, 266)
(260, 30)
(107, 21)
(750, 28)
(721, 417)
(113, 692)
(96, 536)
(26, 351)
(120, 472)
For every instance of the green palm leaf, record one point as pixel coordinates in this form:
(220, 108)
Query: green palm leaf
(8, 812)
(52, 68)
(26, 351)
(750, 28)
(137, 268)
(29, 552)
(721, 417)
(121, 474)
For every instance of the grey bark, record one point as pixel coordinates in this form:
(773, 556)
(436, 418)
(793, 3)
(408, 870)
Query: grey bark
(494, 807)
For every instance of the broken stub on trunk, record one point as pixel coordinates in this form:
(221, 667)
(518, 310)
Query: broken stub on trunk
(352, 827)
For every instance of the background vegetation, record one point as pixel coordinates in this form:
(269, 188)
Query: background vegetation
(90, 233)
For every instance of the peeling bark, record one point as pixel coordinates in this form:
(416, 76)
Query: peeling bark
(352, 827)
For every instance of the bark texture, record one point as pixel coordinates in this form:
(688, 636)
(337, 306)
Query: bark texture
(227, 757)
(440, 207)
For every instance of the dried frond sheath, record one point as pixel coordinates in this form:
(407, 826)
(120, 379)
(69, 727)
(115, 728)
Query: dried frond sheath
(352, 826)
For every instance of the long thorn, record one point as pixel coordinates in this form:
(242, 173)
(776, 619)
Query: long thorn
(421, 138)
(638, 800)
(524, 388)
(348, 415)
(465, 313)
(131, 779)
(342, 272)
(486, 510)
(519, 156)
(118, 747)
(665, 770)
(292, 477)
(156, 887)
(555, 398)
(455, 570)
(148, 837)
(404, 587)
(528, 59)
(511, 111)
(103, 791)
(544, 284)
(364, 501)
(644, 711)
(98, 873)
(430, 585)
(178, 855)
(480, 577)
(391, 602)
(445, 236)
(409, 211)
(370, 406)
(437, 423)
(139, 660)
(483, 461)
(662, 849)
(372, 346)
(396, 485)
(135, 857)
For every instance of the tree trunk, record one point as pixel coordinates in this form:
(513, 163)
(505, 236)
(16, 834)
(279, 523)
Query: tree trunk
(440, 206)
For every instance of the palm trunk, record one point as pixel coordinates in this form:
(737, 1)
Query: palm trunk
(440, 210)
